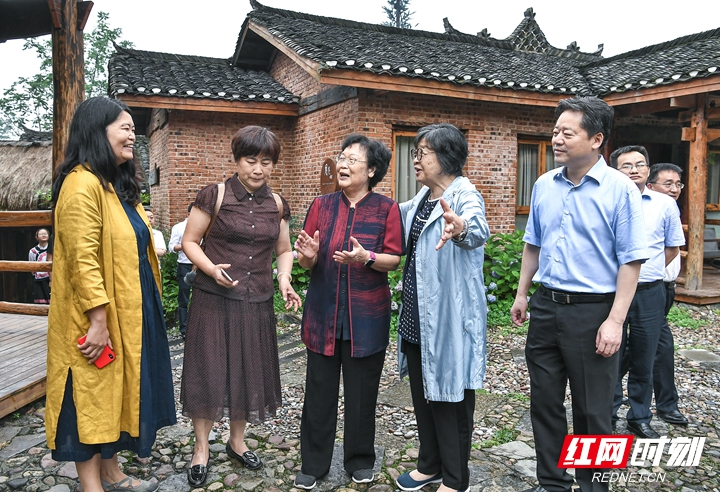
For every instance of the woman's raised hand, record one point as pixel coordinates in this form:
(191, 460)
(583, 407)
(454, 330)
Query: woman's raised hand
(453, 224)
(306, 245)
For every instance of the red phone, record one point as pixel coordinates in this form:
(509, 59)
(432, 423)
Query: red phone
(105, 358)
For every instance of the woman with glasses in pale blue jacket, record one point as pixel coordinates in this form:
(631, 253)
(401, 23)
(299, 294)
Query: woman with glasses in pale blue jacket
(442, 322)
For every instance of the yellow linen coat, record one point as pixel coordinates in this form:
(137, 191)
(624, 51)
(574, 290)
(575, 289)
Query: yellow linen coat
(95, 263)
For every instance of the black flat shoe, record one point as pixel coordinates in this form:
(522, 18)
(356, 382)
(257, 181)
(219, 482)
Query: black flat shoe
(673, 417)
(249, 459)
(197, 474)
(642, 430)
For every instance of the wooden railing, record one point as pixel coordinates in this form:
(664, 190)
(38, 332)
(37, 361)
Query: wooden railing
(35, 218)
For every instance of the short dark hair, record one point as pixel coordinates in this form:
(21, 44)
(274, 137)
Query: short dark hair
(192, 204)
(656, 169)
(626, 150)
(377, 154)
(597, 114)
(89, 147)
(255, 141)
(449, 144)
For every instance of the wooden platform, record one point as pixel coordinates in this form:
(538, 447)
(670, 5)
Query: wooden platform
(710, 292)
(23, 347)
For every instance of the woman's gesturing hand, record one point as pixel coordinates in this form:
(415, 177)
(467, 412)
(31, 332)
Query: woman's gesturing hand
(453, 224)
(292, 300)
(306, 245)
(357, 255)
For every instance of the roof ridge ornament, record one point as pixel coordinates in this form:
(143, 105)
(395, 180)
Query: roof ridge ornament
(529, 13)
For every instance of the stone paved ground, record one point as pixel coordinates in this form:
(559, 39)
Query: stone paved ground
(503, 457)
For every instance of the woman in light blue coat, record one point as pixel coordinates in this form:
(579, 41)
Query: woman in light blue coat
(442, 323)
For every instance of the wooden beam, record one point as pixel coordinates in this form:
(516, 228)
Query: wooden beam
(683, 102)
(697, 189)
(711, 114)
(713, 134)
(413, 85)
(688, 134)
(644, 108)
(326, 98)
(221, 106)
(22, 308)
(68, 76)
(32, 218)
(310, 66)
(25, 266)
(678, 89)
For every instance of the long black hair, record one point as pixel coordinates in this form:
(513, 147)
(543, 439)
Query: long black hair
(89, 147)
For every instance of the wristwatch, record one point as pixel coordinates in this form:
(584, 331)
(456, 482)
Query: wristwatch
(372, 259)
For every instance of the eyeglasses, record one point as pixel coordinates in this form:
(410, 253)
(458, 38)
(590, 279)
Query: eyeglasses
(641, 166)
(670, 185)
(351, 161)
(420, 153)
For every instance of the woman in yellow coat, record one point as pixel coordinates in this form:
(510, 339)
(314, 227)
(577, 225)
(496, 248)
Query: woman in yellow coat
(105, 287)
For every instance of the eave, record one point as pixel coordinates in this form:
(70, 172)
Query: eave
(690, 87)
(207, 104)
(414, 85)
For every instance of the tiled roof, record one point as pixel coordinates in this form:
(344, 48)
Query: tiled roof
(163, 74)
(525, 60)
(685, 58)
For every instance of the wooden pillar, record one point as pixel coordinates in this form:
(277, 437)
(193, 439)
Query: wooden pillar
(697, 192)
(68, 70)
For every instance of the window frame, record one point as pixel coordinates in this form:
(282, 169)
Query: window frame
(393, 161)
(543, 143)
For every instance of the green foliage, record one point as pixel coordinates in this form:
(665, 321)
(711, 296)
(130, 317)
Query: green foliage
(170, 289)
(522, 397)
(395, 281)
(501, 269)
(682, 318)
(501, 436)
(29, 100)
(398, 14)
(44, 197)
(145, 198)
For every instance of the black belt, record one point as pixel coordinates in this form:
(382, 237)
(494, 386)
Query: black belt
(670, 285)
(647, 285)
(562, 297)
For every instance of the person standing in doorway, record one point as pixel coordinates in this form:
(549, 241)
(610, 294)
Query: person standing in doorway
(184, 265)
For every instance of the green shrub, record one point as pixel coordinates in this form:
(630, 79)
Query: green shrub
(170, 289)
(395, 280)
(501, 269)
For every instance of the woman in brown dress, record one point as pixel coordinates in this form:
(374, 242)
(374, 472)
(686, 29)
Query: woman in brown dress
(231, 362)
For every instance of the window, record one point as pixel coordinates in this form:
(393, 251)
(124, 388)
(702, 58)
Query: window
(403, 172)
(534, 158)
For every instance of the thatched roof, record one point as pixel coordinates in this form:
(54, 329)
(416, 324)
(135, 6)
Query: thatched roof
(25, 169)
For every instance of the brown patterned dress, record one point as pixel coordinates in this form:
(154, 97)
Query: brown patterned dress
(231, 363)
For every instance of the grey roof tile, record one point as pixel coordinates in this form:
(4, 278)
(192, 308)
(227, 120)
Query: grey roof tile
(164, 74)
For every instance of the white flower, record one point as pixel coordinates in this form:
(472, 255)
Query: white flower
(394, 306)
(398, 287)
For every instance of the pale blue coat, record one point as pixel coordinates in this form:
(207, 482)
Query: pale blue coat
(451, 295)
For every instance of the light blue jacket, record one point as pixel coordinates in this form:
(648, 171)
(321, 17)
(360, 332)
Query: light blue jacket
(451, 295)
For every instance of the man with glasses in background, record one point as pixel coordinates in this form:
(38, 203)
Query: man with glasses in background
(665, 178)
(645, 319)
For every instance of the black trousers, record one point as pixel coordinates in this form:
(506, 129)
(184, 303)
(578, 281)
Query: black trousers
(183, 295)
(644, 321)
(444, 428)
(361, 379)
(666, 397)
(560, 348)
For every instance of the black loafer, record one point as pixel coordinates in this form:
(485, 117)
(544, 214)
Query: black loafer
(197, 474)
(642, 430)
(673, 417)
(249, 459)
